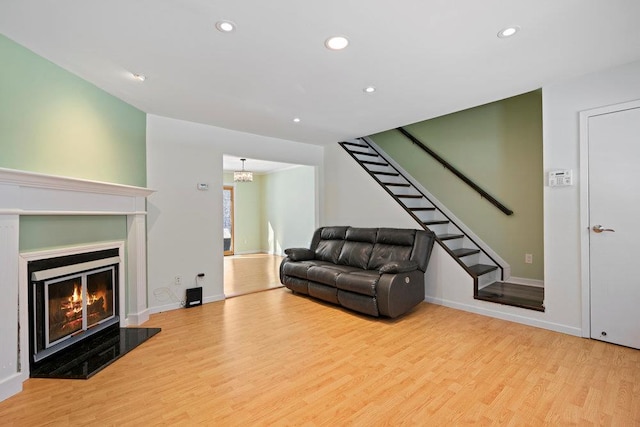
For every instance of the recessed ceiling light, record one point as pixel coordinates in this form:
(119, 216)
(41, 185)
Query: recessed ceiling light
(508, 32)
(225, 26)
(296, 120)
(369, 89)
(139, 77)
(336, 43)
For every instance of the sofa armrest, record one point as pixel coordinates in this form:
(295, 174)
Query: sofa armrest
(394, 267)
(300, 254)
(399, 293)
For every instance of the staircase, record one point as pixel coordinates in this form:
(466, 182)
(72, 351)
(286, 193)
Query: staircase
(484, 266)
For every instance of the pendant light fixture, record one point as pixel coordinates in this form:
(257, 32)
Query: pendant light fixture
(243, 175)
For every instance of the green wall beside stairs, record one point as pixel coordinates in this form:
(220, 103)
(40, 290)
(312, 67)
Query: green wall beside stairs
(498, 146)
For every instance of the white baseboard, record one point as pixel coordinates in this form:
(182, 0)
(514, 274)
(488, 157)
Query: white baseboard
(166, 307)
(12, 385)
(570, 330)
(135, 319)
(177, 305)
(250, 252)
(213, 298)
(527, 282)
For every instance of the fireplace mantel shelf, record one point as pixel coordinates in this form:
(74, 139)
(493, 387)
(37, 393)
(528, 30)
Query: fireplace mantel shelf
(30, 193)
(55, 182)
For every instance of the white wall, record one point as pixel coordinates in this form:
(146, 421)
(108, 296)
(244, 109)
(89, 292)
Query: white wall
(185, 225)
(562, 103)
(353, 198)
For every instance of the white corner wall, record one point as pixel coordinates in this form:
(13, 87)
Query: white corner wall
(353, 198)
(185, 225)
(561, 105)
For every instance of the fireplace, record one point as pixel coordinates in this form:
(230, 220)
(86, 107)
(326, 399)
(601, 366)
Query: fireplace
(25, 193)
(73, 297)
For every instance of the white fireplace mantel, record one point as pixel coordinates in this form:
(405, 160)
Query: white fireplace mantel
(29, 193)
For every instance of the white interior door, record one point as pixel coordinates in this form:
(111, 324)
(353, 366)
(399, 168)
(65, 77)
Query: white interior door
(614, 204)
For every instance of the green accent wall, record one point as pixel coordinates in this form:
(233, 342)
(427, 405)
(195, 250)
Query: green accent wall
(498, 146)
(249, 213)
(275, 211)
(290, 208)
(56, 231)
(53, 122)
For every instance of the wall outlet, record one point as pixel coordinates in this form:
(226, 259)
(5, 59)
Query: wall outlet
(177, 280)
(528, 258)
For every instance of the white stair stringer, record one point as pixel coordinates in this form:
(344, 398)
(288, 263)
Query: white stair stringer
(452, 234)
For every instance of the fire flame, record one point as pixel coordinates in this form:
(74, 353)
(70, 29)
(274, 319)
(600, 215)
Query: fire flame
(77, 294)
(74, 303)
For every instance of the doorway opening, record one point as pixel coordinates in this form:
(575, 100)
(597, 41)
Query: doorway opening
(228, 220)
(274, 211)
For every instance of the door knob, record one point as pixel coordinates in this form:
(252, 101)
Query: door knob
(598, 229)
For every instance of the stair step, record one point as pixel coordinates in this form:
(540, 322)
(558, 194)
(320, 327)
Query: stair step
(522, 296)
(465, 252)
(422, 209)
(450, 236)
(370, 162)
(408, 196)
(362, 153)
(386, 173)
(355, 144)
(442, 221)
(480, 269)
(396, 184)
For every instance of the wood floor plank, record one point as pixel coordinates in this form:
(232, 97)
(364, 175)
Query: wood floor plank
(274, 358)
(244, 274)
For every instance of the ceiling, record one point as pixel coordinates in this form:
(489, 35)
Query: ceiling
(426, 58)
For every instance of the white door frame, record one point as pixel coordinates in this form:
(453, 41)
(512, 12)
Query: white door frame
(585, 225)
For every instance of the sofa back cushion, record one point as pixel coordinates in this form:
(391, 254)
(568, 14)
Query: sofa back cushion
(383, 254)
(357, 247)
(331, 240)
(391, 245)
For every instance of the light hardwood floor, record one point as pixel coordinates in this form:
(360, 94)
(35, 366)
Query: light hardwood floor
(244, 274)
(274, 358)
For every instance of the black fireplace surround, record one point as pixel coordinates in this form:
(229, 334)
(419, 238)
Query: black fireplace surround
(74, 315)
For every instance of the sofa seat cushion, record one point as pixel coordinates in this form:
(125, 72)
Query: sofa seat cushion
(328, 274)
(360, 282)
(300, 268)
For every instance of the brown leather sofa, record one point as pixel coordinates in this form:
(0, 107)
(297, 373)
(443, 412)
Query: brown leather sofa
(375, 271)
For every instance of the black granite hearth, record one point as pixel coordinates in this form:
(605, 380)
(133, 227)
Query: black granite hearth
(90, 356)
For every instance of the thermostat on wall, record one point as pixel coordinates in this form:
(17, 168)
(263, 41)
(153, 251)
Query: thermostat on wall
(203, 187)
(560, 178)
